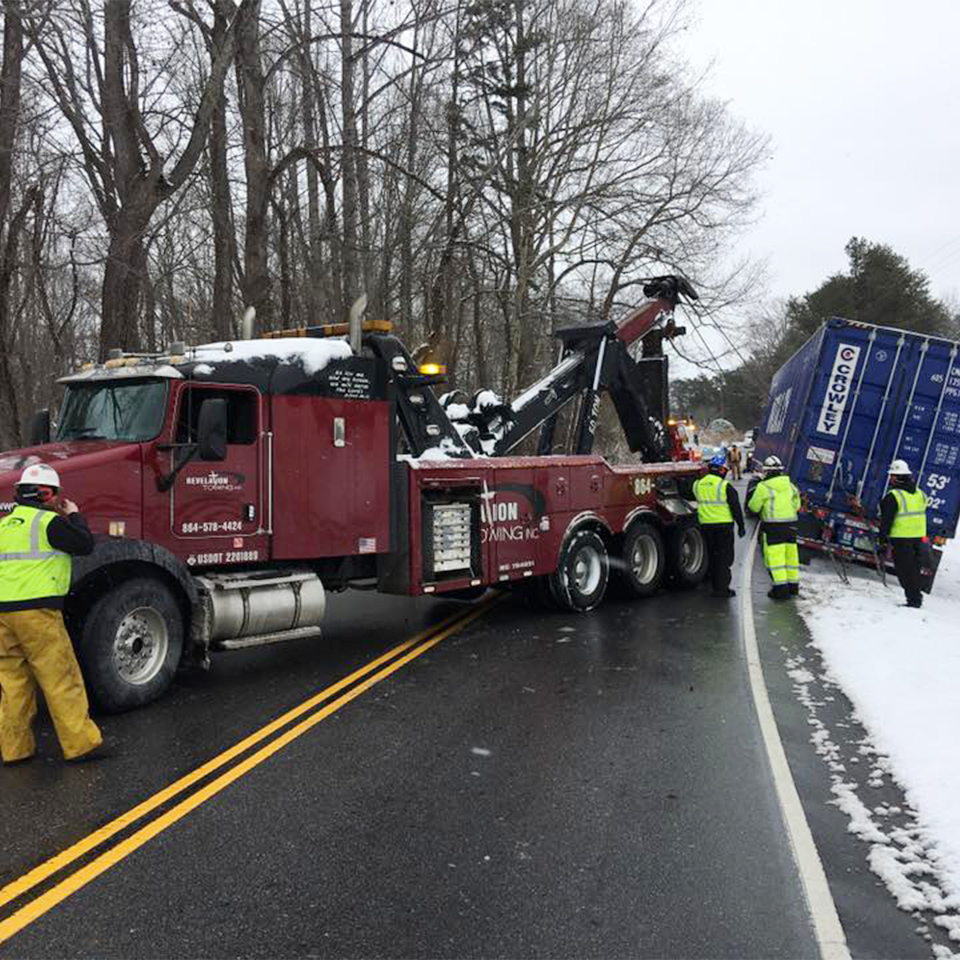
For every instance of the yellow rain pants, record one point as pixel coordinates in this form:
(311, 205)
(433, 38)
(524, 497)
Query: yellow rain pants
(782, 561)
(35, 649)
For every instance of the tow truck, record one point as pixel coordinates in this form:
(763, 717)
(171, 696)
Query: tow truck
(232, 486)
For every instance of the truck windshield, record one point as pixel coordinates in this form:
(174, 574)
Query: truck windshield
(129, 411)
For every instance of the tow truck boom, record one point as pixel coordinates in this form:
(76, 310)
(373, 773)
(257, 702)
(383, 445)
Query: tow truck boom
(595, 359)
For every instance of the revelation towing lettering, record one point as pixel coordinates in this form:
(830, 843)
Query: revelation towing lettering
(838, 389)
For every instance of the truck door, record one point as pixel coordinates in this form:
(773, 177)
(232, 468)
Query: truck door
(219, 504)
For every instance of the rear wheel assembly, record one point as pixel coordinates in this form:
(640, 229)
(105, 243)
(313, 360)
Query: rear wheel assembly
(686, 555)
(580, 580)
(643, 560)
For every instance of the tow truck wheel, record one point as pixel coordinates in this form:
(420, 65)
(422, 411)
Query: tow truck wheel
(644, 560)
(686, 555)
(130, 644)
(580, 580)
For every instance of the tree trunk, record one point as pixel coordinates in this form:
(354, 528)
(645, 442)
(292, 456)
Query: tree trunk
(319, 287)
(251, 81)
(363, 174)
(9, 120)
(351, 272)
(121, 281)
(10, 82)
(224, 241)
(330, 229)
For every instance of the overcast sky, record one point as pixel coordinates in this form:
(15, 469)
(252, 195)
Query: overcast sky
(860, 99)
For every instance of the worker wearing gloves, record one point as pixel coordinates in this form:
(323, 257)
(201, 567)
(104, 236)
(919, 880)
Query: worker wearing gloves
(776, 501)
(718, 508)
(37, 540)
(903, 521)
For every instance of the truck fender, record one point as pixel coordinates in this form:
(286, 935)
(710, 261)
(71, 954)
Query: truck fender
(585, 519)
(112, 559)
(673, 510)
(644, 511)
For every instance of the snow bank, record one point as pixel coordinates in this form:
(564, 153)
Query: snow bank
(314, 354)
(900, 668)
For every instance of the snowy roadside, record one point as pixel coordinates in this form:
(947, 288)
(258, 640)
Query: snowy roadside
(900, 668)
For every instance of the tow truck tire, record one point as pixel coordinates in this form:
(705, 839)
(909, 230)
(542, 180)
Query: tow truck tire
(580, 580)
(130, 644)
(686, 555)
(644, 560)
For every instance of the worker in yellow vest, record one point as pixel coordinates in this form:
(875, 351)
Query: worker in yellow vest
(776, 500)
(37, 540)
(903, 521)
(718, 508)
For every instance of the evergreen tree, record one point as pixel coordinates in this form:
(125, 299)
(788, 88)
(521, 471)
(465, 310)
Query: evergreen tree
(879, 287)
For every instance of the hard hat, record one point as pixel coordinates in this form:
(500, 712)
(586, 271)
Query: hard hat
(39, 475)
(718, 461)
(772, 463)
(899, 468)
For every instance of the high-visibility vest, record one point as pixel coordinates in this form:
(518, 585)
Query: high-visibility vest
(30, 568)
(776, 500)
(911, 517)
(711, 494)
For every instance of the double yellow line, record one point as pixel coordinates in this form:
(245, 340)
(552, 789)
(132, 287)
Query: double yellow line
(368, 676)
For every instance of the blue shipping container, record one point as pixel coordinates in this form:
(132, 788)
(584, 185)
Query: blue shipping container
(852, 399)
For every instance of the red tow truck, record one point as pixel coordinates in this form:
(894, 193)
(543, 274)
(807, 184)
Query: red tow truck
(232, 486)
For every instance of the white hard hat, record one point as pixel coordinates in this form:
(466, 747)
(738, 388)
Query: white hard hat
(899, 468)
(772, 463)
(39, 474)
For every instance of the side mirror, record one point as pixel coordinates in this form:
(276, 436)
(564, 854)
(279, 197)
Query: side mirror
(40, 428)
(212, 430)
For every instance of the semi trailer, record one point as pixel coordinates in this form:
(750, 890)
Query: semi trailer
(233, 486)
(851, 400)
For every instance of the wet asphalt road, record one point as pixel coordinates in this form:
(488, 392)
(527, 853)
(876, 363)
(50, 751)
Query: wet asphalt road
(536, 785)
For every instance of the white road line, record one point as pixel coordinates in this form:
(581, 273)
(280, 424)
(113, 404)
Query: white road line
(823, 911)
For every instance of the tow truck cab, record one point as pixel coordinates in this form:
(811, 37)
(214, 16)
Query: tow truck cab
(233, 482)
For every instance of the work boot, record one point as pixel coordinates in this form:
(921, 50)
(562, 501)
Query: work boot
(916, 604)
(100, 752)
(778, 593)
(19, 760)
(794, 589)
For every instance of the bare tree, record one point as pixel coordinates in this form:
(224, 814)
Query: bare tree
(123, 158)
(11, 225)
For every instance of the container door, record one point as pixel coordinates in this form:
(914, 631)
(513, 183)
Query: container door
(858, 384)
(219, 504)
(929, 435)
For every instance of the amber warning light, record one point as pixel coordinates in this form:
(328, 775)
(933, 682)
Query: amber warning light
(432, 369)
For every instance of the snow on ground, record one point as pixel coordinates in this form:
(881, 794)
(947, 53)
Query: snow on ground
(900, 668)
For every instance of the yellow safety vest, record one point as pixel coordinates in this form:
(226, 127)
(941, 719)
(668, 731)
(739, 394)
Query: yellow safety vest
(30, 568)
(911, 518)
(776, 500)
(711, 494)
